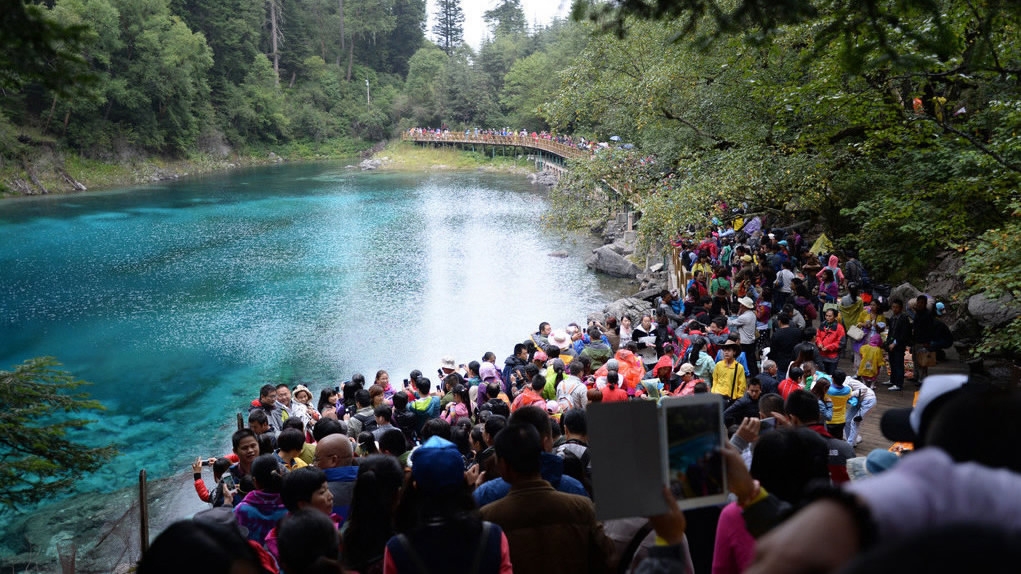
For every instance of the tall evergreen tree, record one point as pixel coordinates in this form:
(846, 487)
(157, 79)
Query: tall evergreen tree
(506, 18)
(449, 28)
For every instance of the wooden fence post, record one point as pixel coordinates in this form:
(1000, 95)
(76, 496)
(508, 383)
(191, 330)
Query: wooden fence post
(143, 507)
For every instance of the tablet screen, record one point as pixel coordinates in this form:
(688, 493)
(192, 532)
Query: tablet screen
(694, 437)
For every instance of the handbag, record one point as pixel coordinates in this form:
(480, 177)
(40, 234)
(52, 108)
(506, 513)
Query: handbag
(856, 333)
(925, 358)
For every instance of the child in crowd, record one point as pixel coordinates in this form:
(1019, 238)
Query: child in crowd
(220, 466)
(289, 446)
(872, 357)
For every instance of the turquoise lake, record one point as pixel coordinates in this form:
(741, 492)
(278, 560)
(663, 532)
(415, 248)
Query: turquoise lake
(178, 301)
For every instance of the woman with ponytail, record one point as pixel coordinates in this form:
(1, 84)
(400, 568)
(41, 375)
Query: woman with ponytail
(370, 523)
(262, 508)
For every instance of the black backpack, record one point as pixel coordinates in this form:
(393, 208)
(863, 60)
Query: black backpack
(369, 423)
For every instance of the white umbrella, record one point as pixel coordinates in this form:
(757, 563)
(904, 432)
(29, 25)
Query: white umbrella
(615, 138)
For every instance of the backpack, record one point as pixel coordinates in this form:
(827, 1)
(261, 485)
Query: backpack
(853, 271)
(369, 423)
(578, 467)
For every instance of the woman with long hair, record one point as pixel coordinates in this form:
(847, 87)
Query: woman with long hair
(383, 380)
(624, 330)
(328, 399)
(261, 508)
(460, 407)
(370, 523)
(437, 523)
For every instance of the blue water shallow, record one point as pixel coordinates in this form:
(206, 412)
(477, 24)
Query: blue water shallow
(178, 301)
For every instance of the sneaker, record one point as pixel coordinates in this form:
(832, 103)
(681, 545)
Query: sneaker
(895, 388)
(887, 383)
(858, 440)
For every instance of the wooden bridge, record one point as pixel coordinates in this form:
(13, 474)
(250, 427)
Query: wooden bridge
(549, 155)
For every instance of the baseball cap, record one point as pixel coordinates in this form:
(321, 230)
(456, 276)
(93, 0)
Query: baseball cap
(437, 465)
(905, 424)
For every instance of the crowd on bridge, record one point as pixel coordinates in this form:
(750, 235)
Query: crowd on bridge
(490, 134)
(486, 468)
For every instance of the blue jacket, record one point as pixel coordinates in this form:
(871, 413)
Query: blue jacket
(341, 480)
(552, 471)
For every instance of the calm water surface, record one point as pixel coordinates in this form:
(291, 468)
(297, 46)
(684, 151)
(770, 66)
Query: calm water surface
(178, 301)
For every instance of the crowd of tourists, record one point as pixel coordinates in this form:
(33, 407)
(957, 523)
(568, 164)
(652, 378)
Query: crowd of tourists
(444, 132)
(486, 467)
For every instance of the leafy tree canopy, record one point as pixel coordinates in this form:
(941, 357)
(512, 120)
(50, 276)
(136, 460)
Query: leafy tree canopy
(39, 405)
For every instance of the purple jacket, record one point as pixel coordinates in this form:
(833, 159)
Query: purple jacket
(927, 489)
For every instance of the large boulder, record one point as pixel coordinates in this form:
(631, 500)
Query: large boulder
(992, 313)
(629, 306)
(906, 292)
(945, 281)
(606, 260)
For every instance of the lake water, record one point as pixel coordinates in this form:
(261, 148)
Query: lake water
(178, 301)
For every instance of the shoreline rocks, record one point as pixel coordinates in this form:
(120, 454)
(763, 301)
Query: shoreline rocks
(606, 260)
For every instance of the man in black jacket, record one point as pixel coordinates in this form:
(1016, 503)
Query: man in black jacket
(745, 406)
(898, 338)
(783, 341)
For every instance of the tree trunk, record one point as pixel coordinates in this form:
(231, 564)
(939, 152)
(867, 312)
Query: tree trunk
(273, 38)
(294, 76)
(67, 119)
(340, 8)
(53, 108)
(350, 58)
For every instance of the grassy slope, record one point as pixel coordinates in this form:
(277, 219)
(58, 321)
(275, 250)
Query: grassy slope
(412, 157)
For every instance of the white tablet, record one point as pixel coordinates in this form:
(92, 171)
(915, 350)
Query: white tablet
(693, 435)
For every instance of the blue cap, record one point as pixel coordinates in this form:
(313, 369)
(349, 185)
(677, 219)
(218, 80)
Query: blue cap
(880, 460)
(437, 465)
(940, 308)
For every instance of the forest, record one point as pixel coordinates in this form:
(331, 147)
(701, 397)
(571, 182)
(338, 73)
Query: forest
(892, 125)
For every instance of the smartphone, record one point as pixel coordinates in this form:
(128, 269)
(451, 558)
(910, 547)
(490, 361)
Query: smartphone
(768, 423)
(228, 480)
(205, 462)
(337, 389)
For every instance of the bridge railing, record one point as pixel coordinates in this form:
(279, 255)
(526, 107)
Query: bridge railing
(563, 150)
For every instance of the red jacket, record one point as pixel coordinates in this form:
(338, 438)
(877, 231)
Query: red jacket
(786, 387)
(828, 340)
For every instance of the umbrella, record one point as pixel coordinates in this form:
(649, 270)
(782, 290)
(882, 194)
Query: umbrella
(615, 138)
(627, 146)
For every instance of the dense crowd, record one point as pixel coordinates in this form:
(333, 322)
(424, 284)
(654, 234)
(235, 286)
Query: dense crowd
(522, 134)
(487, 467)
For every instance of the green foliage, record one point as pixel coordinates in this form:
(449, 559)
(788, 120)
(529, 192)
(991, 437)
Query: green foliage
(507, 18)
(467, 96)
(40, 405)
(38, 48)
(992, 267)
(423, 91)
(526, 87)
(257, 108)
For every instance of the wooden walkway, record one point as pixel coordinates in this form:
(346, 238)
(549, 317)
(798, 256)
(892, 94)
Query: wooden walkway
(562, 151)
(886, 399)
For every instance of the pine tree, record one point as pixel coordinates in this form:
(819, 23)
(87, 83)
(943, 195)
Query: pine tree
(507, 18)
(449, 28)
